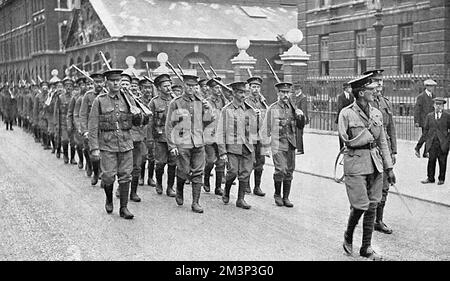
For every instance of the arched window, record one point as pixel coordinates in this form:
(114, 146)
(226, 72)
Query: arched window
(87, 64)
(80, 63)
(97, 64)
(192, 61)
(149, 58)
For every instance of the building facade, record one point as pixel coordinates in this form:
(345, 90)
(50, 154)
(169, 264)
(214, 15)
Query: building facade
(341, 38)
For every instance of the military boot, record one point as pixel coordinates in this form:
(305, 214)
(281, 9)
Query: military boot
(72, 155)
(109, 207)
(368, 223)
(218, 190)
(96, 171)
(88, 163)
(124, 212)
(379, 224)
(52, 141)
(355, 215)
(142, 175)
(133, 194)
(196, 189)
(226, 193)
(179, 196)
(159, 177)
(240, 202)
(46, 141)
(277, 194)
(286, 192)
(65, 148)
(151, 169)
(171, 171)
(207, 175)
(257, 190)
(80, 158)
(248, 190)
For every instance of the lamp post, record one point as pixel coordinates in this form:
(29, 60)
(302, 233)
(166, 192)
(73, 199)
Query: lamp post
(378, 26)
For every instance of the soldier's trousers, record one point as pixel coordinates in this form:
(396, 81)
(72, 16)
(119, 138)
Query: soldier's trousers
(114, 164)
(150, 156)
(364, 189)
(284, 162)
(240, 165)
(212, 158)
(191, 164)
(137, 158)
(163, 156)
(260, 160)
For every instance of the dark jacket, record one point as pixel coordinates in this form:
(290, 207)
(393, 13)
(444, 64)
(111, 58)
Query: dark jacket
(424, 105)
(436, 128)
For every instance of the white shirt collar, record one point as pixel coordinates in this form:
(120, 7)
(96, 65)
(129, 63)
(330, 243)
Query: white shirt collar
(428, 92)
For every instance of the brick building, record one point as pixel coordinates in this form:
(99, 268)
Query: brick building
(340, 37)
(57, 34)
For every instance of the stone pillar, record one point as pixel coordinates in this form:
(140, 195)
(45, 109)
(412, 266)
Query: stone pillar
(130, 62)
(295, 59)
(162, 68)
(243, 61)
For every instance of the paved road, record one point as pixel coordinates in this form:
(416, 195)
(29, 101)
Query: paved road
(49, 211)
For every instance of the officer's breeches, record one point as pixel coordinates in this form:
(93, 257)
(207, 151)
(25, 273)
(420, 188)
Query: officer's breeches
(364, 189)
(162, 155)
(240, 166)
(114, 164)
(212, 157)
(191, 164)
(284, 162)
(150, 151)
(137, 159)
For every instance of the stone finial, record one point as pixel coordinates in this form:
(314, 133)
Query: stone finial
(130, 62)
(243, 58)
(162, 58)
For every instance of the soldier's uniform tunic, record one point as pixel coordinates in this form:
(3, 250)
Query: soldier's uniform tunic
(60, 118)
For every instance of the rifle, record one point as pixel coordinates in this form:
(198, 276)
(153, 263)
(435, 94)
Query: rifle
(82, 72)
(279, 81)
(181, 79)
(204, 71)
(181, 70)
(105, 60)
(263, 99)
(213, 71)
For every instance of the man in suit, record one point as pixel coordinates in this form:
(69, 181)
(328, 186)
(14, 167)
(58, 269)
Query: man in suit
(301, 102)
(344, 100)
(360, 126)
(424, 105)
(436, 136)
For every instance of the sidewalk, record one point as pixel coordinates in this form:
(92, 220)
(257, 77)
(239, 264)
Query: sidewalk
(321, 149)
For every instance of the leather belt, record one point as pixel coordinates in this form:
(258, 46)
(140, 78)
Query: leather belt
(367, 146)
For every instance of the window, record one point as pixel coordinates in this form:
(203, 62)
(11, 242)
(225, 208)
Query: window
(63, 4)
(323, 3)
(361, 51)
(406, 48)
(87, 64)
(324, 55)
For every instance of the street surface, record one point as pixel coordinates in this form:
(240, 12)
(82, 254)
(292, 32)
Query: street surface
(49, 211)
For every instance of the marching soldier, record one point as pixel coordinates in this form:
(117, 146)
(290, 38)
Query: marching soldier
(385, 107)
(39, 110)
(92, 165)
(177, 90)
(279, 132)
(361, 128)
(10, 107)
(204, 88)
(235, 142)
(147, 96)
(56, 87)
(217, 102)
(159, 106)
(110, 122)
(34, 118)
(187, 117)
(60, 117)
(74, 110)
(256, 100)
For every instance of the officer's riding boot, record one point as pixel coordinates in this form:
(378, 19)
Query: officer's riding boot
(207, 175)
(355, 215)
(226, 193)
(218, 190)
(133, 194)
(277, 194)
(257, 190)
(159, 177)
(196, 189)
(240, 202)
(171, 170)
(88, 163)
(368, 222)
(80, 158)
(151, 169)
(142, 175)
(180, 186)
(109, 207)
(286, 192)
(72, 155)
(65, 147)
(224, 180)
(124, 212)
(248, 190)
(379, 224)
(96, 171)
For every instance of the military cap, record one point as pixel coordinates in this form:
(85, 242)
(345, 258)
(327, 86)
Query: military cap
(345, 85)
(43, 83)
(144, 81)
(190, 79)
(376, 73)
(255, 80)
(162, 78)
(213, 81)
(135, 80)
(203, 81)
(80, 79)
(283, 86)
(361, 82)
(176, 86)
(112, 73)
(439, 100)
(125, 76)
(97, 75)
(430, 82)
(67, 79)
(238, 85)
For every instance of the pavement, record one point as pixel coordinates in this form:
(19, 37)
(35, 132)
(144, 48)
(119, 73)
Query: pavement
(322, 147)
